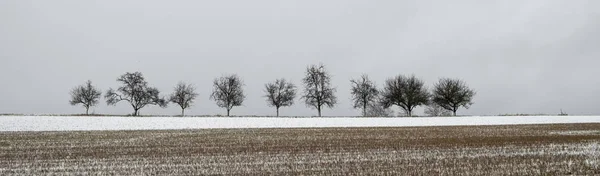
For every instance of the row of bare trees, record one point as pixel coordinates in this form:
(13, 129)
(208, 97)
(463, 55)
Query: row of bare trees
(135, 91)
(409, 92)
(406, 92)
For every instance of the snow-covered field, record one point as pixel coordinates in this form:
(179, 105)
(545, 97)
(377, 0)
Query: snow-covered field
(558, 149)
(74, 123)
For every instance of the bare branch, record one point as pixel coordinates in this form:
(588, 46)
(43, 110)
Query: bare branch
(377, 110)
(435, 110)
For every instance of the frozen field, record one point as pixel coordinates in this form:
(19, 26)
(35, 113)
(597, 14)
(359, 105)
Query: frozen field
(71, 123)
(551, 149)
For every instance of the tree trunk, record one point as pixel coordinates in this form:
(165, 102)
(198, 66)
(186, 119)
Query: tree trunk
(182, 112)
(364, 110)
(228, 112)
(454, 110)
(87, 110)
(319, 109)
(277, 111)
(135, 112)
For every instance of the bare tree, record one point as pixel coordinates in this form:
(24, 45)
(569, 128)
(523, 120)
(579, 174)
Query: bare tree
(435, 110)
(451, 94)
(228, 92)
(136, 91)
(377, 110)
(317, 88)
(405, 92)
(184, 96)
(364, 93)
(280, 93)
(86, 95)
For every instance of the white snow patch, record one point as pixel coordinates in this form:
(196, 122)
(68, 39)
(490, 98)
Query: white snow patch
(593, 155)
(579, 132)
(76, 123)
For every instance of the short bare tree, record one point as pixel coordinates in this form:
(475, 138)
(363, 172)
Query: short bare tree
(228, 92)
(86, 95)
(318, 91)
(435, 110)
(377, 110)
(364, 93)
(183, 95)
(451, 94)
(405, 92)
(280, 93)
(136, 91)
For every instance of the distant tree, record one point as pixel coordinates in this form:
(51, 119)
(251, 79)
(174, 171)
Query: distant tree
(183, 95)
(451, 94)
(405, 92)
(364, 93)
(228, 92)
(317, 88)
(280, 93)
(136, 91)
(435, 110)
(86, 95)
(377, 110)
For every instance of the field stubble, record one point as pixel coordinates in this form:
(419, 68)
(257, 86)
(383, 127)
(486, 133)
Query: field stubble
(561, 149)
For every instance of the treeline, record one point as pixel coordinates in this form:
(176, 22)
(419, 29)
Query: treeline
(406, 92)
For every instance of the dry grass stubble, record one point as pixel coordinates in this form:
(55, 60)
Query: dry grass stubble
(475, 150)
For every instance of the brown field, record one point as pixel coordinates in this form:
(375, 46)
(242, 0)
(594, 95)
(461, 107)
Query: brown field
(566, 149)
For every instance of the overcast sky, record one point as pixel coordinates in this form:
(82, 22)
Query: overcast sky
(534, 56)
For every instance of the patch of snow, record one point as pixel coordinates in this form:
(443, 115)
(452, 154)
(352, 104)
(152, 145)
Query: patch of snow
(579, 132)
(76, 123)
(593, 155)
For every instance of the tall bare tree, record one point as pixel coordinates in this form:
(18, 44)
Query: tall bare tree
(136, 91)
(317, 88)
(451, 94)
(183, 95)
(86, 95)
(280, 93)
(228, 92)
(364, 93)
(405, 92)
(435, 110)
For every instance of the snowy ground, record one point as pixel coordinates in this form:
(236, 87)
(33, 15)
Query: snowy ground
(558, 149)
(72, 123)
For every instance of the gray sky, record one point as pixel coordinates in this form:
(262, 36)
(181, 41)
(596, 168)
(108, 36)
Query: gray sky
(534, 56)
